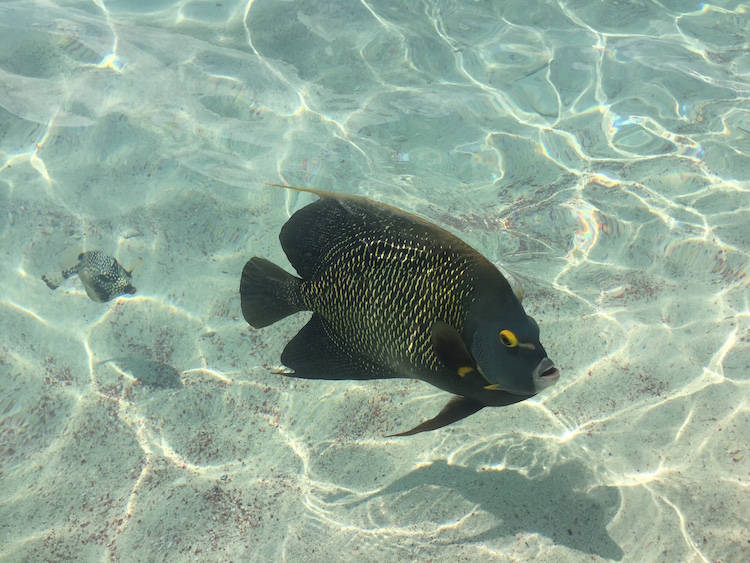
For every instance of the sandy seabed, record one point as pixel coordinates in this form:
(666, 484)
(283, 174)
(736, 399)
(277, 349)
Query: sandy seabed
(600, 153)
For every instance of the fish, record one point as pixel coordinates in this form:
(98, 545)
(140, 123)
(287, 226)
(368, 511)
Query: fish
(102, 276)
(395, 296)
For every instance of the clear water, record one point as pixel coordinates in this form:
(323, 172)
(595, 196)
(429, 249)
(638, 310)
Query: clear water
(598, 150)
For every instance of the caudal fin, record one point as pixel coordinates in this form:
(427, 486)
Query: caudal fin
(268, 293)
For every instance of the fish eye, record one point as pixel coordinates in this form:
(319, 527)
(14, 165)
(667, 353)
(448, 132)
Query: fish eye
(508, 338)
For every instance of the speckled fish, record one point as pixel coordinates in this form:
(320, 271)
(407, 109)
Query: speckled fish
(102, 276)
(393, 295)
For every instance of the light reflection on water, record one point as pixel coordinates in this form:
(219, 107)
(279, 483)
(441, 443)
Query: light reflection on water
(599, 152)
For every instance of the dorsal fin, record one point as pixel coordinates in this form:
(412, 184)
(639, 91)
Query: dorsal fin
(314, 231)
(335, 219)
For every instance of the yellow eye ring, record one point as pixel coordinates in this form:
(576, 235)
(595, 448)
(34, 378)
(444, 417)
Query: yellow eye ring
(508, 339)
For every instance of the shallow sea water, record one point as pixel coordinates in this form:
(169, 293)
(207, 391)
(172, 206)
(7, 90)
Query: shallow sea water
(597, 150)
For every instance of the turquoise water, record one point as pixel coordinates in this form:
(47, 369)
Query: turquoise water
(597, 150)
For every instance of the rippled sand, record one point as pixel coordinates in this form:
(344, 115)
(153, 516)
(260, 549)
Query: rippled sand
(598, 150)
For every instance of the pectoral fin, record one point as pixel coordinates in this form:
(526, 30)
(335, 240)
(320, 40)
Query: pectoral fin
(450, 349)
(456, 409)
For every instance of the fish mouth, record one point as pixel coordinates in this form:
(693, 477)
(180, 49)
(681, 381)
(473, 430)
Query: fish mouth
(545, 374)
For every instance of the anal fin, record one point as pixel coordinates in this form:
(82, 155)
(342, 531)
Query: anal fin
(313, 355)
(456, 409)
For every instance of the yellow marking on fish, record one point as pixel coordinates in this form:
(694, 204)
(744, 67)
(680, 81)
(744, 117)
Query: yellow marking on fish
(462, 371)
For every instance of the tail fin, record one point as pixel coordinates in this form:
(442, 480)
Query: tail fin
(268, 293)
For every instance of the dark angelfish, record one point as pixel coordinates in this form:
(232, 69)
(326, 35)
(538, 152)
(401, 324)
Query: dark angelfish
(393, 295)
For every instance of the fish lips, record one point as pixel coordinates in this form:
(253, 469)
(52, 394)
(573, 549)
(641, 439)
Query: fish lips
(545, 375)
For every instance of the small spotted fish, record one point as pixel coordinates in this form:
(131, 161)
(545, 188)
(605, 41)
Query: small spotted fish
(102, 276)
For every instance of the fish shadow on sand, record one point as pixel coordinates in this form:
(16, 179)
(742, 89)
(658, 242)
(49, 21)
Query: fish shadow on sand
(149, 372)
(561, 505)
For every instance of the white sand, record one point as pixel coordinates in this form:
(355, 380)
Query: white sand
(613, 181)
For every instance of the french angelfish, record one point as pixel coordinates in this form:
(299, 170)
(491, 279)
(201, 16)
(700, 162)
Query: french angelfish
(393, 295)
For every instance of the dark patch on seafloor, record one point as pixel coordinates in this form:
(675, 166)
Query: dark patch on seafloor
(149, 372)
(568, 515)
